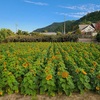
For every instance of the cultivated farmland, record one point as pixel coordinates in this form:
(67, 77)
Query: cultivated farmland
(49, 68)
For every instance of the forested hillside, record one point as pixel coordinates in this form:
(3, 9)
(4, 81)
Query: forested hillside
(92, 17)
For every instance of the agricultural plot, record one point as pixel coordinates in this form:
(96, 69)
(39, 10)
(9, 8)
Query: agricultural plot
(49, 68)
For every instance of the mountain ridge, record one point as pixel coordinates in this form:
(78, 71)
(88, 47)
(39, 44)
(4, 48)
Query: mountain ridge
(71, 25)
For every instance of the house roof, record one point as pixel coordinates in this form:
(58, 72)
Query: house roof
(93, 24)
(87, 28)
(81, 27)
(49, 33)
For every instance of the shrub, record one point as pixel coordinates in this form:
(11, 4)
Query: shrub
(98, 37)
(43, 38)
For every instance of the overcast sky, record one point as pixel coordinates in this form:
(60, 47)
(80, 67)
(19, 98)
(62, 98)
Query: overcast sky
(32, 14)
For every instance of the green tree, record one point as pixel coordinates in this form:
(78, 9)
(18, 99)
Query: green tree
(34, 33)
(78, 31)
(25, 33)
(19, 32)
(5, 33)
(59, 33)
(98, 37)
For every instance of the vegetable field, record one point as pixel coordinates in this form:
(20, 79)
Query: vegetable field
(49, 68)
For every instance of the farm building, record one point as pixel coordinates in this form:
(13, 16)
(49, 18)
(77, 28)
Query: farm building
(48, 33)
(88, 30)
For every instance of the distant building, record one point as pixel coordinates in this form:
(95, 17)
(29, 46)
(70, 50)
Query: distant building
(48, 33)
(88, 30)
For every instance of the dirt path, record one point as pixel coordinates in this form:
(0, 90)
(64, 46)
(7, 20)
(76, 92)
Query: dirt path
(75, 96)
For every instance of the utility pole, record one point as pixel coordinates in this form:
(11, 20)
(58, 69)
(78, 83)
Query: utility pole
(16, 27)
(64, 26)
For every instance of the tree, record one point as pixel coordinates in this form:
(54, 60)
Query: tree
(19, 32)
(98, 37)
(97, 26)
(34, 33)
(25, 33)
(59, 33)
(78, 31)
(5, 33)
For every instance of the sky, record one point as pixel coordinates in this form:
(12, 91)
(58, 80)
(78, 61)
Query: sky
(28, 15)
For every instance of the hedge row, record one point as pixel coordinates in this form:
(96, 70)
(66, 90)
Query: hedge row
(42, 38)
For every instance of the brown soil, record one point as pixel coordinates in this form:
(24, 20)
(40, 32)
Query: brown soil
(74, 96)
